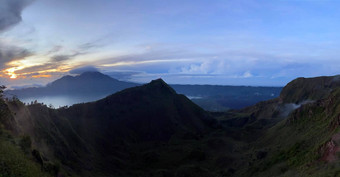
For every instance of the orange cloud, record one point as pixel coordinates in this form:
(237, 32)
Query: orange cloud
(42, 76)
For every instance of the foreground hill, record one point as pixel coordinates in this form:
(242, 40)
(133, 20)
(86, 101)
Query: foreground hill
(128, 130)
(15, 156)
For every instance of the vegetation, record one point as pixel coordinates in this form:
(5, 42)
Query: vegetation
(15, 157)
(151, 130)
(2, 88)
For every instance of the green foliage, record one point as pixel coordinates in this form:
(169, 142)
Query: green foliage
(2, 88)
(14, 163)
(25, 144)
(52, 168)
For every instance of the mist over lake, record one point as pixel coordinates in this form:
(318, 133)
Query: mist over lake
(62, 100)
(69, 100)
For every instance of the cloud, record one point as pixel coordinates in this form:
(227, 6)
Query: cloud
(60, 58)
(54, 49)
(89, 45)
(26, 86)
(10, 12)
(36, 68)
(83, 69)
(10, 15)
(247, 74)
(10, 53)
(123, 75)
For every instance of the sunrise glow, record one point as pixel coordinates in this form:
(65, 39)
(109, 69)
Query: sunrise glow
(42, 76)
(14, 76)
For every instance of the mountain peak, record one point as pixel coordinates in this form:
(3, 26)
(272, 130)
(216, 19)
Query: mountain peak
(158, 81)
(160, 84)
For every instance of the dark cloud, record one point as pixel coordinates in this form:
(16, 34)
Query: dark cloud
(84, 69)
(10, 15)
(10, 12)
(88, 46)
(81, 49)
(94, 44)
(55, 49)
(10, 53)
(59, 58)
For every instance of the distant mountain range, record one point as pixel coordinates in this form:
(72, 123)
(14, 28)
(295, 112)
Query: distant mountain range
(91, 86)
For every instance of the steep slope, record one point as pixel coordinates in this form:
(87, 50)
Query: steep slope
(132, 117)
(302, 89)
(153, 111)
(304, 142)
(15, 156)
(295, 94)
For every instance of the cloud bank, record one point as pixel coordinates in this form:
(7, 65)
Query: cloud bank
(83, 69)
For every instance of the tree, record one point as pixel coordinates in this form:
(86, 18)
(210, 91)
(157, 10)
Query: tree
(51, 106)
(2, 88)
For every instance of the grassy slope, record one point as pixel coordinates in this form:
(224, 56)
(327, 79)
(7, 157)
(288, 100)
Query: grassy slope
(296, 145)
(14, 161)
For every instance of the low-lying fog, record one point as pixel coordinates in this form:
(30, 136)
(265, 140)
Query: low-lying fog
(60, 101)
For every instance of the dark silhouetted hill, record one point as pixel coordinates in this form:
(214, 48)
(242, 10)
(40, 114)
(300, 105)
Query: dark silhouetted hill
(109, 135)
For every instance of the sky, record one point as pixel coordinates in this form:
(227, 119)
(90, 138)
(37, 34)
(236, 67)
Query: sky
(220, 42)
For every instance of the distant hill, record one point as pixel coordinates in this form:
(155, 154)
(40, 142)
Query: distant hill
(91, 86)
(93, 83)
(221, 98)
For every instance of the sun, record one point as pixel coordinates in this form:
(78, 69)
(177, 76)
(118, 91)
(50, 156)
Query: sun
(13, 76)
(11, 72)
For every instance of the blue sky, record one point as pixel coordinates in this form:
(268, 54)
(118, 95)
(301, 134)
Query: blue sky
(225, 42)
